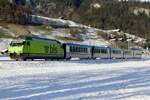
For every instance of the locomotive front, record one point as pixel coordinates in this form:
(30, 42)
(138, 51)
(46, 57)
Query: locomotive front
(16, 49)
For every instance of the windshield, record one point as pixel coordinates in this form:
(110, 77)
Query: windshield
(17, 44)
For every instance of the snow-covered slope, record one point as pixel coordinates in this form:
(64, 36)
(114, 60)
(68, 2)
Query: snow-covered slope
(75, 80)
(6, 32)
(55, 22)
(4, 43)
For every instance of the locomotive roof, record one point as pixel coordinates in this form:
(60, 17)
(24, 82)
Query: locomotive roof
(42, 39)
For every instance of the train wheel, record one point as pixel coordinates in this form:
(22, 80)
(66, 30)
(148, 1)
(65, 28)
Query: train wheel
(47, 59)
(24, 59)
(68, 58)
(94, 58)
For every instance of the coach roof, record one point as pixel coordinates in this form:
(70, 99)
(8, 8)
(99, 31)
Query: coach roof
(73, 44)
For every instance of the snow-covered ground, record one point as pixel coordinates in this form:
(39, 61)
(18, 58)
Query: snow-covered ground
(75, 80)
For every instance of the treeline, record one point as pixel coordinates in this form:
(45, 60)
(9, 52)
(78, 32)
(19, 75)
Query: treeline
(111, 14)
(116, 15)
(14, 11)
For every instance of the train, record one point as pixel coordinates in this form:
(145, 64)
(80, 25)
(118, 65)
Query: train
(42, 48)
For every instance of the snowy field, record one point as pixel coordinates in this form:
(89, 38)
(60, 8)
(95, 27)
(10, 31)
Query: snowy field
(75, 80)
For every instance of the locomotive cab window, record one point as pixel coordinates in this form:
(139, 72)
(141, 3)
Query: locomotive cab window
(16, 44)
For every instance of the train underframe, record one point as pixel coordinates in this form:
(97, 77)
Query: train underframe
(24, 57)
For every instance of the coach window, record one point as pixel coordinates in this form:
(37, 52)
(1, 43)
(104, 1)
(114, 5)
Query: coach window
(81, 50)
(119, 52)
(70, 49)
(104, 51)
(114, 51)
(76, 49)
(98, 50)
(101, 50)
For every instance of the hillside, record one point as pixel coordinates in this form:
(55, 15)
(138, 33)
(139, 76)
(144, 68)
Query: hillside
(131, 17)
(89, 35)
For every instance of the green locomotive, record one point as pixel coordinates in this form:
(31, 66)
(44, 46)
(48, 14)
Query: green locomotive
(36, 48)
